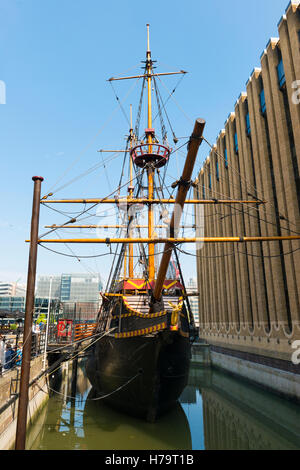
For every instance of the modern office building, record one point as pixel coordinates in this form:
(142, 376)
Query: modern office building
(11, 288)
(16, 304)
(249, 292)
(70, 287)
(191, 288)
(43, 286)
(80, 311)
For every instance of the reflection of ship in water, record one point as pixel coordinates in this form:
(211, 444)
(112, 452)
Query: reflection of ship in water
(188, 395)
(62, 426)
(216, 412)
(86, 423)
(107, 428)
(240, 416)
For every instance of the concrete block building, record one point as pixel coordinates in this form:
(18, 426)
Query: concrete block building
(249, 310)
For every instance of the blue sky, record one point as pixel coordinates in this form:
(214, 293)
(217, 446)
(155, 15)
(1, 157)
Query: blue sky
(55, 59)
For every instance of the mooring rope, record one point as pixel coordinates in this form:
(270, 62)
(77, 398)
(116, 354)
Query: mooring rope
(98, 398)
(73, 357)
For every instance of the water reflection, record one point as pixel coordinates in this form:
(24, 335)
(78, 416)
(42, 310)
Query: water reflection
(240, 416)
(109, 429)
(216, 412)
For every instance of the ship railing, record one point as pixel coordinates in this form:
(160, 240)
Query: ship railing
(84, 330)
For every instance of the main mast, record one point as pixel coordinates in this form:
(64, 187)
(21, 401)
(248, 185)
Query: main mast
(131, 187)
(148, 156)
(150, 169)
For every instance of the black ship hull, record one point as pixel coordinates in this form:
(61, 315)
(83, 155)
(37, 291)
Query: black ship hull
(144, 375)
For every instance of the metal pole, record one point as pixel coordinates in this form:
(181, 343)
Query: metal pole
(29, 309)
(47, 326)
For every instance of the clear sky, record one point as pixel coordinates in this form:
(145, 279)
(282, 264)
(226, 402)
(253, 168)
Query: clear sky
(55, 59)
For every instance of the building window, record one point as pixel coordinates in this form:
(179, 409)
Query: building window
(209, 176)
(281, 74)
(203, 192)
(226, 158)
(262, 102)
(236, 145)
(248, 127)
(217, 171)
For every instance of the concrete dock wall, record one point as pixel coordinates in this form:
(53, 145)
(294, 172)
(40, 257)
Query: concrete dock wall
(9, 388)
(276, 376)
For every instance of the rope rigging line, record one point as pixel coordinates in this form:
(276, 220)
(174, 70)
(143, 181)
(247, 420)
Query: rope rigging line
(247, 209)
(106, 173)
(124, 161)
(230, 166)
(259, 218)
(99, 202)
(120, 104)
(94, 256)
(90, 170)
(246, 181)
(159, 97)
(162, 124)
(75, 256)
(139, 113)
(172, 93)
(191, 316)
(76, 160)
(97, 398)
(76, 355)
(233, 169)
(86, 210)
(171, 96)
(238, 251)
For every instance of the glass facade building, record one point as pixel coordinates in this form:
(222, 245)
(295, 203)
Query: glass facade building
(14, 304)
(192, 287)
(71, 287)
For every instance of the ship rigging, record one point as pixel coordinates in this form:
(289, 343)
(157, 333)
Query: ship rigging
(141, 363)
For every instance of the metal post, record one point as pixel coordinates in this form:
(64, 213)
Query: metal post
(29, 309)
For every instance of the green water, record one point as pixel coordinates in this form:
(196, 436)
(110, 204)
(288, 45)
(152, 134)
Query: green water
(215, 411)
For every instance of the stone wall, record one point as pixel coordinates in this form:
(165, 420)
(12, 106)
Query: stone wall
(9, 385)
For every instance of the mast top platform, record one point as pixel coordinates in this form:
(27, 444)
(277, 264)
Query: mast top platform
(154, 153)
